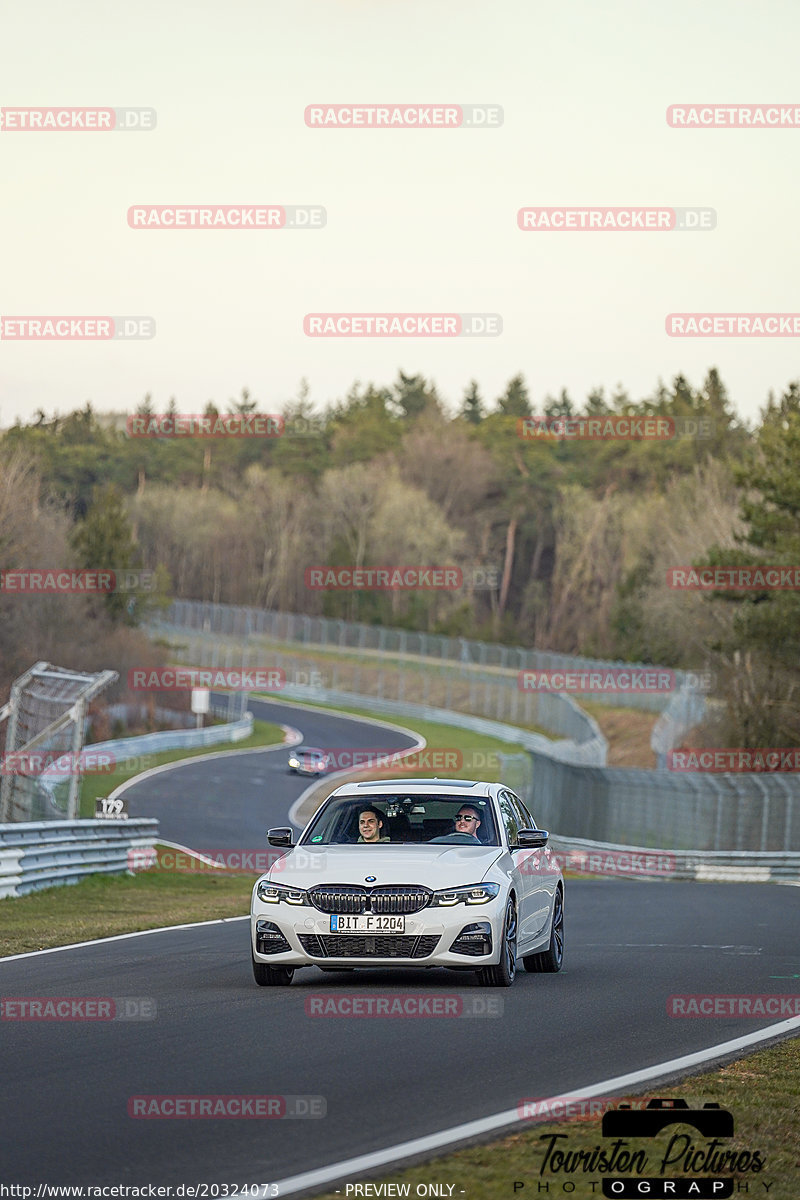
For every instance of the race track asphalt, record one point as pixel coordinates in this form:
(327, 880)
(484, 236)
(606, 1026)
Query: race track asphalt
(65, 1086)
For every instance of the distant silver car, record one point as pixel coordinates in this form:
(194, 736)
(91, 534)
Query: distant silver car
(308, 760)
(412, 873)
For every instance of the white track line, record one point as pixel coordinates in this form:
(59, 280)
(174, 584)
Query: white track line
(121, 937)
(419, 744)
(446, 1138)
(293, 736)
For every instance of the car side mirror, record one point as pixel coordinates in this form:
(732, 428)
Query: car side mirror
(529, 839)
(280, 837)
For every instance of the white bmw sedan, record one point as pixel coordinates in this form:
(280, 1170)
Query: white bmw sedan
(411, 873)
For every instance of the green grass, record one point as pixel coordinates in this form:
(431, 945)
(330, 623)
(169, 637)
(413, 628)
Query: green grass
(92, 786)
(104, 905)
(762, 1091)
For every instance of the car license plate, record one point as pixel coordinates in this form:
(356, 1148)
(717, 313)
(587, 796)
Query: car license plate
(369, 923)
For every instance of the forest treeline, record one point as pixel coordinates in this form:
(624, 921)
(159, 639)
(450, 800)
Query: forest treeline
(577, 535)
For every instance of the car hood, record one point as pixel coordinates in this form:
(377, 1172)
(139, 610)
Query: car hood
(435, 867)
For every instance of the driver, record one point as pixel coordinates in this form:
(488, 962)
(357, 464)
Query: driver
(370, 826)
(468, 821)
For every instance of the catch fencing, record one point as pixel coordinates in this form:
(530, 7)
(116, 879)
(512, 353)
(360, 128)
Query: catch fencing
(224, 621)
(566, 781)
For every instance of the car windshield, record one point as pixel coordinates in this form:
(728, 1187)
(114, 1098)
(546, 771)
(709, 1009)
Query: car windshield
(402, 820)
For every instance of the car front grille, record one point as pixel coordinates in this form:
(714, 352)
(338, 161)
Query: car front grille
(333, 945)
(353, 899)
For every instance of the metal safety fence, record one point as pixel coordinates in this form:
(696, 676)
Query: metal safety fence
(382, 643)
(39, 854)
(567, 783)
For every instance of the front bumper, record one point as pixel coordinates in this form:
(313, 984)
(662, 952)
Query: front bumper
(301, 937)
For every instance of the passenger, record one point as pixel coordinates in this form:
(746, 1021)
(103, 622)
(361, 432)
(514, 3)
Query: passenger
(370, 824)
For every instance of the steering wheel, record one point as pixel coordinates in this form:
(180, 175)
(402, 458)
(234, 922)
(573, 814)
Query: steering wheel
(456, 839)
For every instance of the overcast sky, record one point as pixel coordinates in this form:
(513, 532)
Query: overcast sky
(417, 220)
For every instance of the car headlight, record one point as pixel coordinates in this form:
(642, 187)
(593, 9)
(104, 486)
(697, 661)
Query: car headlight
(473, 893)
(275, 893)
(293, 762)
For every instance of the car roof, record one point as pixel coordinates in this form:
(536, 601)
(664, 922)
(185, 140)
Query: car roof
(413, 787)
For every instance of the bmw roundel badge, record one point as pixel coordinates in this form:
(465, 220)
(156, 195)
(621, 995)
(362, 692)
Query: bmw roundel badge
(370, 878)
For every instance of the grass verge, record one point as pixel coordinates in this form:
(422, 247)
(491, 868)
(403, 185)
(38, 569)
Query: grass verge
(103, 905)
(762, 1092)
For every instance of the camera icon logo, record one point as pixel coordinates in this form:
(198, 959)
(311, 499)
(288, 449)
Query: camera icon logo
(711, 1120)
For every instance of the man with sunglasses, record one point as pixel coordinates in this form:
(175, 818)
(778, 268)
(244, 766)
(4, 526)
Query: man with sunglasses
(468, 821)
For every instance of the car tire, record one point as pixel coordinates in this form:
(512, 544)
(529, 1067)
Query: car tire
(266, 976)
(551, 959)
(503, 974)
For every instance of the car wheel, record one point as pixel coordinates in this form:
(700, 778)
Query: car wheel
(503, 974)
(271, 976)
(552, 958)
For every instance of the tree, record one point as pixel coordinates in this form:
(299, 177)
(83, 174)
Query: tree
(760, 656)
(472, 409)
(515, 401)
(562, 407)
(362, 425)
(104, 541)
(415, 396)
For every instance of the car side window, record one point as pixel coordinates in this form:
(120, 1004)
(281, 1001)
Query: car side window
(509, 817)
(524, 818)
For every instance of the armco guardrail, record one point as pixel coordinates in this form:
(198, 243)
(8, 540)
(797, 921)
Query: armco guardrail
(38, 854)
(51, 781)
(639, 862)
